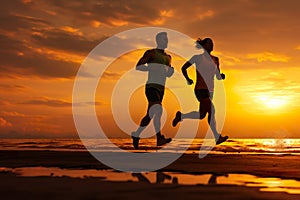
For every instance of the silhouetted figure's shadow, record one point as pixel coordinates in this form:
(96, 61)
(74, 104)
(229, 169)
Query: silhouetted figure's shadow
(213, 179)
(141, 177)
(161, 177)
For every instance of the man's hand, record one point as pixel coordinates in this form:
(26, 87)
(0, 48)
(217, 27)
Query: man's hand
(170, 71)
(189, 81)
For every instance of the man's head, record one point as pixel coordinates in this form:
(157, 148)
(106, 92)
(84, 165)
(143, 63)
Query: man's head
(162, 40)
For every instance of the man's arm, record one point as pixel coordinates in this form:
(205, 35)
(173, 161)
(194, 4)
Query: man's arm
(143, 60)
(170, 70)
(185, 74)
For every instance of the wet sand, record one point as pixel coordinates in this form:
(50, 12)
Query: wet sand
(17, 187)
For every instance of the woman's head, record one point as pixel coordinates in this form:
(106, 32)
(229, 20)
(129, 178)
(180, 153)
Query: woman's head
(206, 43)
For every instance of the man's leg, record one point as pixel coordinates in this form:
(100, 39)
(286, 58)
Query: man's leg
(155, 112)
(150, 94)
(143, 124)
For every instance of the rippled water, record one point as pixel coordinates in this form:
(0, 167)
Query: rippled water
(270, 184)
(233, 146)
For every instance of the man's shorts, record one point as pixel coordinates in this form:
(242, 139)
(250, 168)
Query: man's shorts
(154, 92)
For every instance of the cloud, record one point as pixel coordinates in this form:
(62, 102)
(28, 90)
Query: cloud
(272, 85)
(268, 56)
(163, 16)
(14, 87)
(16, 16)
(19, 59)
(167, 13)
(12, 114)
(66, 38)
(31, 45)
(4, 103)
(95, 23)
(242, 26)
(276, 81)
(4, 123)
(29, 20)
(206, 14)
(26, 1)
(72, 28)
(96, 103)
(48, 102)
(118, 22)
(112, 13)
(111, 75)
(45, 101)
(227, 59)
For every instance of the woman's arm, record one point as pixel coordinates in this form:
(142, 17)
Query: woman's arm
(219, 75)
(185, 74)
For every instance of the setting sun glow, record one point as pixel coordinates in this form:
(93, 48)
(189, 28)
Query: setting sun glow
(273, 102)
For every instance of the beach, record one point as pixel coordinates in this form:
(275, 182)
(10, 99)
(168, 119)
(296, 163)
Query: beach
(51, 186)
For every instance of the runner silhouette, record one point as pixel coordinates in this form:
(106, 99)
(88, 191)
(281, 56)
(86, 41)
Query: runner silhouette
(158, 65)
(207, 67)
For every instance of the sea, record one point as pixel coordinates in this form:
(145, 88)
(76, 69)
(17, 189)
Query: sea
(188, 146)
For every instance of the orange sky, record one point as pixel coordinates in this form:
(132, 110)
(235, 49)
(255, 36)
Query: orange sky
(44, 42)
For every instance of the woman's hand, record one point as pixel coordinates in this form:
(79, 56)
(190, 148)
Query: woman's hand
(189, 81)
(223, 76)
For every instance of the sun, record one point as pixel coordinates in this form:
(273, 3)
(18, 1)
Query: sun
(272, 101)
(276, 103)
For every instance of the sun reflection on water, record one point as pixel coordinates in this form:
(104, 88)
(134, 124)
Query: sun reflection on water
(269, 184)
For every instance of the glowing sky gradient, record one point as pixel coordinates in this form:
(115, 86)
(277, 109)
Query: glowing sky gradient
(44, 42)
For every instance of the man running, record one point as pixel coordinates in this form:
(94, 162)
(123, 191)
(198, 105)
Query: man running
(158, 65)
